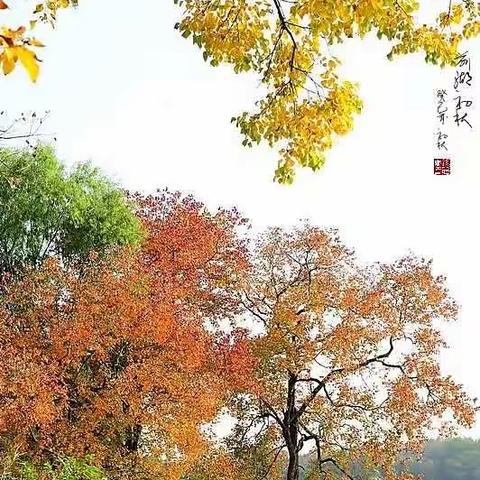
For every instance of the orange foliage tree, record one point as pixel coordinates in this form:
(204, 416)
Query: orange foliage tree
(114, 358)
(347, 359)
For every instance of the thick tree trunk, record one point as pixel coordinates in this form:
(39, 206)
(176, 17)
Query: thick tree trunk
(293, 470)
(290, 432)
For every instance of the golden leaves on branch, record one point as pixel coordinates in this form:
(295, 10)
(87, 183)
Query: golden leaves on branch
(305, 106)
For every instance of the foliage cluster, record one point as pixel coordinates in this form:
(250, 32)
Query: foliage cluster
(49, 211)
(14, 468)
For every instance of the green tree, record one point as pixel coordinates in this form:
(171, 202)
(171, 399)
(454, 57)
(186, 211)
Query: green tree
(46, 210)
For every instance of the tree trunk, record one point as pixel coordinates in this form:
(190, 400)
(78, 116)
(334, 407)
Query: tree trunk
(133, 437)
(290, 432)
(293, 470)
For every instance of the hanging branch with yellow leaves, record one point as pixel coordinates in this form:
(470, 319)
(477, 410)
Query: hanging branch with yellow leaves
(287, 43)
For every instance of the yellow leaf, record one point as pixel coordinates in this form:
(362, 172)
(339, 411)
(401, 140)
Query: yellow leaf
(8, 64)
(9, 59)
(29, 62)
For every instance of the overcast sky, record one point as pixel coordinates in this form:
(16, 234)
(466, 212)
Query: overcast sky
(129, 93)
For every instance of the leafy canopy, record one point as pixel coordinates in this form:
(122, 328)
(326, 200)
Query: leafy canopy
(45, 210)
(124, 358)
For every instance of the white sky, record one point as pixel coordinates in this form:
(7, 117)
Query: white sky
(128, 92)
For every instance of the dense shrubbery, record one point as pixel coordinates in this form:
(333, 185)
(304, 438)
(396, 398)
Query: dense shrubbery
(15, 468)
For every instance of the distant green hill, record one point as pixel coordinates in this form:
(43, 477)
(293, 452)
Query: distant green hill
(455, 459)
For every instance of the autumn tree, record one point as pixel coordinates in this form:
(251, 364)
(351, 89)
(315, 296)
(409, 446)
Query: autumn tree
(347, 358)
(117, 361)
(46, 210)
